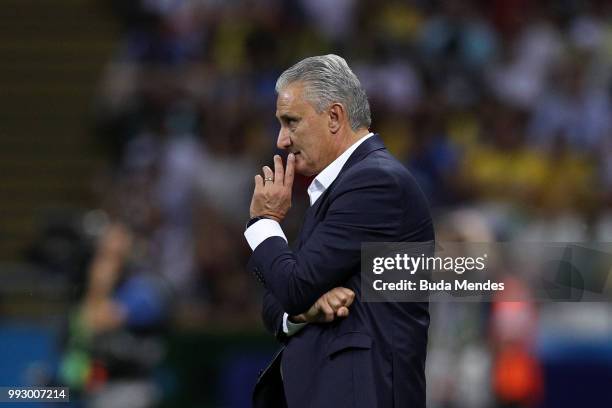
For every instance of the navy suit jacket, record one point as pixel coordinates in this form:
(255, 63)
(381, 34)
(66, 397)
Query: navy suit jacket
(376, 356)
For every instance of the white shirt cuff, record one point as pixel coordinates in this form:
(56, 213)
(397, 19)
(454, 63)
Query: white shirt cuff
(291, 328)
(262, 230)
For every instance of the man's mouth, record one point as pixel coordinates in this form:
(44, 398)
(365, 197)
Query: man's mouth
(295, 153)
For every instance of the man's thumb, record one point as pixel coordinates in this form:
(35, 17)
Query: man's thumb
(342, 311)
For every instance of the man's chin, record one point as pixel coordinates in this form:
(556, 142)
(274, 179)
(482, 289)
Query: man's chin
(304, 171)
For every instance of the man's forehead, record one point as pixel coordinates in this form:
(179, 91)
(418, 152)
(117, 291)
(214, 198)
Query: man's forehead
(284, 100)
(289, 93)
(289, 98)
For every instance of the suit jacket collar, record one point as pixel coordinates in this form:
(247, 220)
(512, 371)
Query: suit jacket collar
(326, 177)
(312, 213)
(367, 147)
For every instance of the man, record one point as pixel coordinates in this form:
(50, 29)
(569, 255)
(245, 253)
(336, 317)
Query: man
(338, 351)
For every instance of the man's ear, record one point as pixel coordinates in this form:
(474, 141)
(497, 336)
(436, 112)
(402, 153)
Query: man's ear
(337, 117)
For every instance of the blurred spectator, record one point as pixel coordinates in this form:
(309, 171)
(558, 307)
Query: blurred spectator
(573, 110)
(114, 343)
(517, 373)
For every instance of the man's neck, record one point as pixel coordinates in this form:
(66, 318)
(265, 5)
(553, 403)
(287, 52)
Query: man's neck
(347, 141)
(351, 139)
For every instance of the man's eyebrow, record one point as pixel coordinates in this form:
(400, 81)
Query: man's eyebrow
(287, 116)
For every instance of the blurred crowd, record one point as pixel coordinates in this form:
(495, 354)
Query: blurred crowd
(501, 109)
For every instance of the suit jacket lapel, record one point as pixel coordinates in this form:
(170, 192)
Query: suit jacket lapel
(315, 212)
(309, 222)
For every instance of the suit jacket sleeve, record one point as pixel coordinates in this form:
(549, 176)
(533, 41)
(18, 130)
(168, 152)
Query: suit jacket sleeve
(371, 205)
(272, 315)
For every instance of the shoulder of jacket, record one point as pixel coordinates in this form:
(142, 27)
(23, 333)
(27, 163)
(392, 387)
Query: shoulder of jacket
(383, 167)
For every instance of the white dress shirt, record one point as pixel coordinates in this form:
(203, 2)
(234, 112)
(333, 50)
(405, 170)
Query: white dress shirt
(264, 229)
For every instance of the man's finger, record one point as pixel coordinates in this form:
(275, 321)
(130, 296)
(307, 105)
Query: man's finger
(268, 175)
(342, 312)
(290, 171)
(326, 310)
(258, 182)
(350, 295)
(339, 294)
(279, 172)
(345, 296)
(333, 300)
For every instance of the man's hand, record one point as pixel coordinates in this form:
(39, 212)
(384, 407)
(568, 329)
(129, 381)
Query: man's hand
(332, 304)
(272, 195)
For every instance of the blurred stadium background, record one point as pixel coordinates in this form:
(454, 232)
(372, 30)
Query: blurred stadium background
(130, 131)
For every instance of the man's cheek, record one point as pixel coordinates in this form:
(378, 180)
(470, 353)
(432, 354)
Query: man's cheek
(300, 163)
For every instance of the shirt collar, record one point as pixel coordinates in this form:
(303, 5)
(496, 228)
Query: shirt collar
(327, 176)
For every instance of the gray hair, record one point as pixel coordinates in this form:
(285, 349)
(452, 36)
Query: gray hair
(328, 79)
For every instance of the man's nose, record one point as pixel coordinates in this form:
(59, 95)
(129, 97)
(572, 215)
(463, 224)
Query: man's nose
(283, 140)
